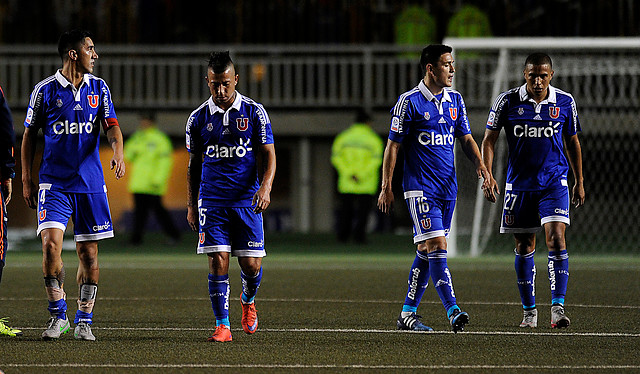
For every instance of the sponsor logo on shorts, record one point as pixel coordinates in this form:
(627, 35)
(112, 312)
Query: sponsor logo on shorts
(105, 226)
(253, 244)
(564, 212)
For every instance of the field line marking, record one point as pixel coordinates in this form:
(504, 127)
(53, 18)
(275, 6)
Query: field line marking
(321, 366)
(337, 301)
(373, 331)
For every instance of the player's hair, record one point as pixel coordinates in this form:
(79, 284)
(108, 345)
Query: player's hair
(431, 55)
(219, 62)
(538, 58)
(71, 39)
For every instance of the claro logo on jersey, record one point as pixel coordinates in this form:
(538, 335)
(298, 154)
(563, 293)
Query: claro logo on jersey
(431, 138)
(69, 128)
(526, 131)
(224, 151)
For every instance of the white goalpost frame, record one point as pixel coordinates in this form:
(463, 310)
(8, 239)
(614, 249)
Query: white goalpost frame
(503, 46)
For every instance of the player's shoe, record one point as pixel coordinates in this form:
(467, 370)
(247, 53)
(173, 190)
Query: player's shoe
(8, 331)
(530, 318)
(458, 319)
(249, 317)
(558, 319)
(55, 328)
(222, 334)
(83, 332)
(411, 322)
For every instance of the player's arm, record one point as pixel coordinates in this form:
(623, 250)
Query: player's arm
(114, 136)
(488, 150)
(27, 154)
(472, 151)
(385, 199)
(574, 153)
(262, 198)
(194, 172)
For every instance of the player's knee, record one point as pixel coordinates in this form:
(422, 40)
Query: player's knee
(556, 242)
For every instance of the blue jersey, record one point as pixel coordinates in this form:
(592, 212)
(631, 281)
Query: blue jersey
(534, 134)
(228, 143)
(427, 126)
(70, 120)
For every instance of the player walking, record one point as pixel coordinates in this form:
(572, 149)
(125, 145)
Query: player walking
(69, 107)
(425, 121)
(539, 121)
(7, 173)
(225, 199)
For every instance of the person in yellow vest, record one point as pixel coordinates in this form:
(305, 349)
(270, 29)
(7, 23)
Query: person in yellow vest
(357, 156)
(149, 154)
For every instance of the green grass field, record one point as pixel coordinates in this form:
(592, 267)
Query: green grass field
(323, 307)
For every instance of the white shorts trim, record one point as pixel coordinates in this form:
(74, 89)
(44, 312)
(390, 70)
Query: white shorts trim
(509, 230)
(429, 235)
(236, 253)
(93, 237)
(562, 219)
(214, 249)
(414, 193)
(50, 225)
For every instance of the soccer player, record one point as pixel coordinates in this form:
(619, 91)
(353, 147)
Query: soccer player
(69, 107)
(425, 122)
(225, 136)
(541, 123)
(7, 173)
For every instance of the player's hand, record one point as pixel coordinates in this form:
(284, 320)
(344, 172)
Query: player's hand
(578, 195)
(385, 201)
(6, 190)
(490, 189)
(117, 163)
(29, 194)
(261, 200)
(192, 218)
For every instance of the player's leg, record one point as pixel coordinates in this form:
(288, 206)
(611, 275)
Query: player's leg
(219, 294)
(54, 275)
(525, 268)
(4, 329)
(92, 222)
(417, 284)
(248, 239)
(554, 213)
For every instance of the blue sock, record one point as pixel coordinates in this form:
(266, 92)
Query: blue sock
(418, 281)
(526, 275)
(558, 267)
(58, 308)
(441, 278)
(219, 295)
(250, 286)
(83, 317)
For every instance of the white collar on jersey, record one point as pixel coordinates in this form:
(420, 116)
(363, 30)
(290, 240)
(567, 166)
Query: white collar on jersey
(524, 95)
(213, 108)
(430, 96)
(64, 82)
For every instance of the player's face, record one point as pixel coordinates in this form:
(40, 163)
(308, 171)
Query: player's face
(442, 72)
(223, 87)
(538, 78)
(86, 56)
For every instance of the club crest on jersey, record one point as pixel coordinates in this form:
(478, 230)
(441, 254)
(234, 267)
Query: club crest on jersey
(209, 126)
(454, 113)
(93, 100)
(242, 123)
(521, 111)
(42, 215)
(427, 116)
(201, 238)
(508, 219)
(554, 112)
(425, 223)
(59, 103)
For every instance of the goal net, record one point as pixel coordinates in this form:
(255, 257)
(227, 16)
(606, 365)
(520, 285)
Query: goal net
(603, 75)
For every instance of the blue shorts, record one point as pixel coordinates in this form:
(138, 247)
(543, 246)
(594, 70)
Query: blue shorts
(431, 217)
(527, 211)
(236, 230)
(89, 213)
